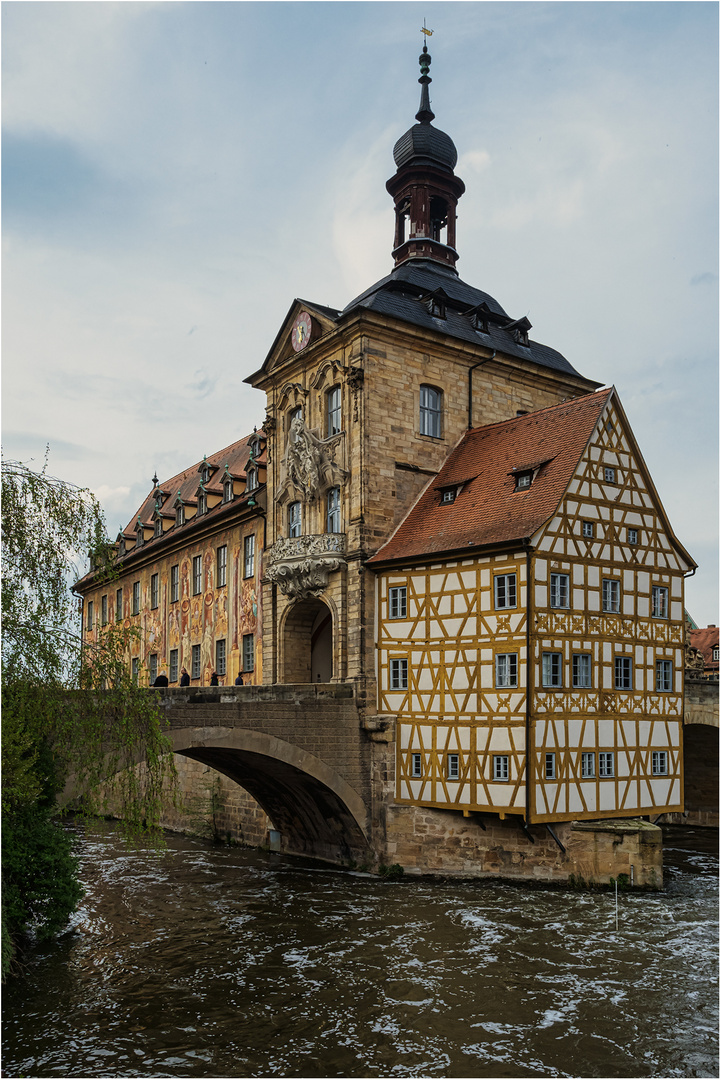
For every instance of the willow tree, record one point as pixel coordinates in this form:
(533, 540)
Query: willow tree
(71, 712)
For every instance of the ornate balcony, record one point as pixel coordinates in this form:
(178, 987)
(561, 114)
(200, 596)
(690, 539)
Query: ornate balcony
(299, 565)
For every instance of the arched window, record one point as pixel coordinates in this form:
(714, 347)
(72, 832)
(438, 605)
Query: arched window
(333, 511)
(252, 480)
(180, 514)
(202, 503)
(294, 414)
(333, 417)
(228, 491)
(431, 411)
(294, 519)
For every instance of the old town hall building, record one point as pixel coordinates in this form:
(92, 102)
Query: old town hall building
(445, 514)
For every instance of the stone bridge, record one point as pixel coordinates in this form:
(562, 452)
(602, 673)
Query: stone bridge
(301, 750)
(701, 752)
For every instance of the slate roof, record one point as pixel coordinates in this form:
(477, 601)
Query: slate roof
(488, 510)
(399, 295)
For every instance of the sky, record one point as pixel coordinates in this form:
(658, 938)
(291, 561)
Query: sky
(175, 174)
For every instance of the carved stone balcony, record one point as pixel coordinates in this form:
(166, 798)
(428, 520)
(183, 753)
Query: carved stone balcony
(299, 565)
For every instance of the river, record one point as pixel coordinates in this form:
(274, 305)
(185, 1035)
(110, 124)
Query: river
(214, 961)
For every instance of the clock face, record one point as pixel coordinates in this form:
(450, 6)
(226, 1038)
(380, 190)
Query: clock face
(300, 334)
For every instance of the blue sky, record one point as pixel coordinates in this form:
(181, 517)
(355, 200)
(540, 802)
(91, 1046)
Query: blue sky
(175, 174)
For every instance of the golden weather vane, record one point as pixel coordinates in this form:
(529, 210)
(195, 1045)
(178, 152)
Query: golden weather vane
(424, 31)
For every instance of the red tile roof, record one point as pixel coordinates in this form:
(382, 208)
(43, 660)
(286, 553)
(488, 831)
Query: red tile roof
(488, 510)
(705, 641)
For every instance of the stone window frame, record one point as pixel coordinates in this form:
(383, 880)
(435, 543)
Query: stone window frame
(430, 414)
(295, 519)
(221, 657)
(174, 666)
(175, 583)
(333, 522)
(195, 662)
(333, 412)
(221, 567)
(249, 555)
(197, 575)
(248, 653)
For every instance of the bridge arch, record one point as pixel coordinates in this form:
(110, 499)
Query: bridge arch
(315, 810)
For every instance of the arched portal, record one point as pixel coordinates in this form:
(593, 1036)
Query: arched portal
(316, 812)
(701, 773)
(308, 643)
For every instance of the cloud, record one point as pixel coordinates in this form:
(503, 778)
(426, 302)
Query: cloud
(706, 278)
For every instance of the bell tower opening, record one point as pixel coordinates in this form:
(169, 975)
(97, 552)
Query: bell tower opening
(308, 643)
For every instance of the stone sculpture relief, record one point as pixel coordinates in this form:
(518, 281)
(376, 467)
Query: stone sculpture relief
(308, 463)
(300, 565)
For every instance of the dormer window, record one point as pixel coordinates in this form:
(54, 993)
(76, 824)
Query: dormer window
(180, 514)
(479, 318)
(202, 503)
(228, 491)
(435, 303)
(448, 495)
(158, 528)
(715, 653)
(139, 537)
(523, 480)
(252, 479)
(206, 473)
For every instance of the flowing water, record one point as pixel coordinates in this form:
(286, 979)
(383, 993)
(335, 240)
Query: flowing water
(223, 962)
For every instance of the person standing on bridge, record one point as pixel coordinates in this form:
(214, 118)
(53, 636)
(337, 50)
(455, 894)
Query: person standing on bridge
(161, 680)
(184, 677)
(239, 680)
(214, 679)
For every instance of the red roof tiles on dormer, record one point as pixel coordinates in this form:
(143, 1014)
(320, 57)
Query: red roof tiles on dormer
(487, 509)
(706, 641)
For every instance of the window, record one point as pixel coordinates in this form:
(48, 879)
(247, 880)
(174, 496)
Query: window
(248, 652)
(581, 674)
(139, 536)
(197, 574)
(397, 602)
(664, 675)
(550, 766)
(559, 590)
(251, 481)
(154, 591)
(623, 673)
(221, 566)
(136, 598)
(153, 667)
(202, 503)
(104, 610)
(589, 530)
(135, 669)
(173, 677)
(605, 765)
(249, 556)
(416, 765)
(228, 489)
(399, 674)
(294, 522)
(500, 766)
(659, 602)
(119, 605)
(523, 480)
(449, 495)
(431, 412)
(174, 584)
(294, 414)
(505, 590)
(206, 474)
(452, 767)
(611, 599)
(507, 669)
(158, 527)
(632, 536)
(588, 765)
(333, 411)
(195, 662)
(180, 514)
(609, 475)
(333, 511)
(659, 762)
(89, 615)
(220, 656)
(714, 655)
(552, 669)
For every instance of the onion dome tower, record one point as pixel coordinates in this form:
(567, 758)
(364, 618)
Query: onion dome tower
(425, 189)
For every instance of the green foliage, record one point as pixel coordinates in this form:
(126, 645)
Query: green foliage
(394, 872)
(72, 714)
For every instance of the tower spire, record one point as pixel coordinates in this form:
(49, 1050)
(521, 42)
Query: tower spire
(424, 114)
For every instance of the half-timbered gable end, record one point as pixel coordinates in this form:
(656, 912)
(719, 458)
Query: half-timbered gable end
(580, 673)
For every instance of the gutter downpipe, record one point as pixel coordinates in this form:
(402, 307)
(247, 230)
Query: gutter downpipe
(470, 385)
